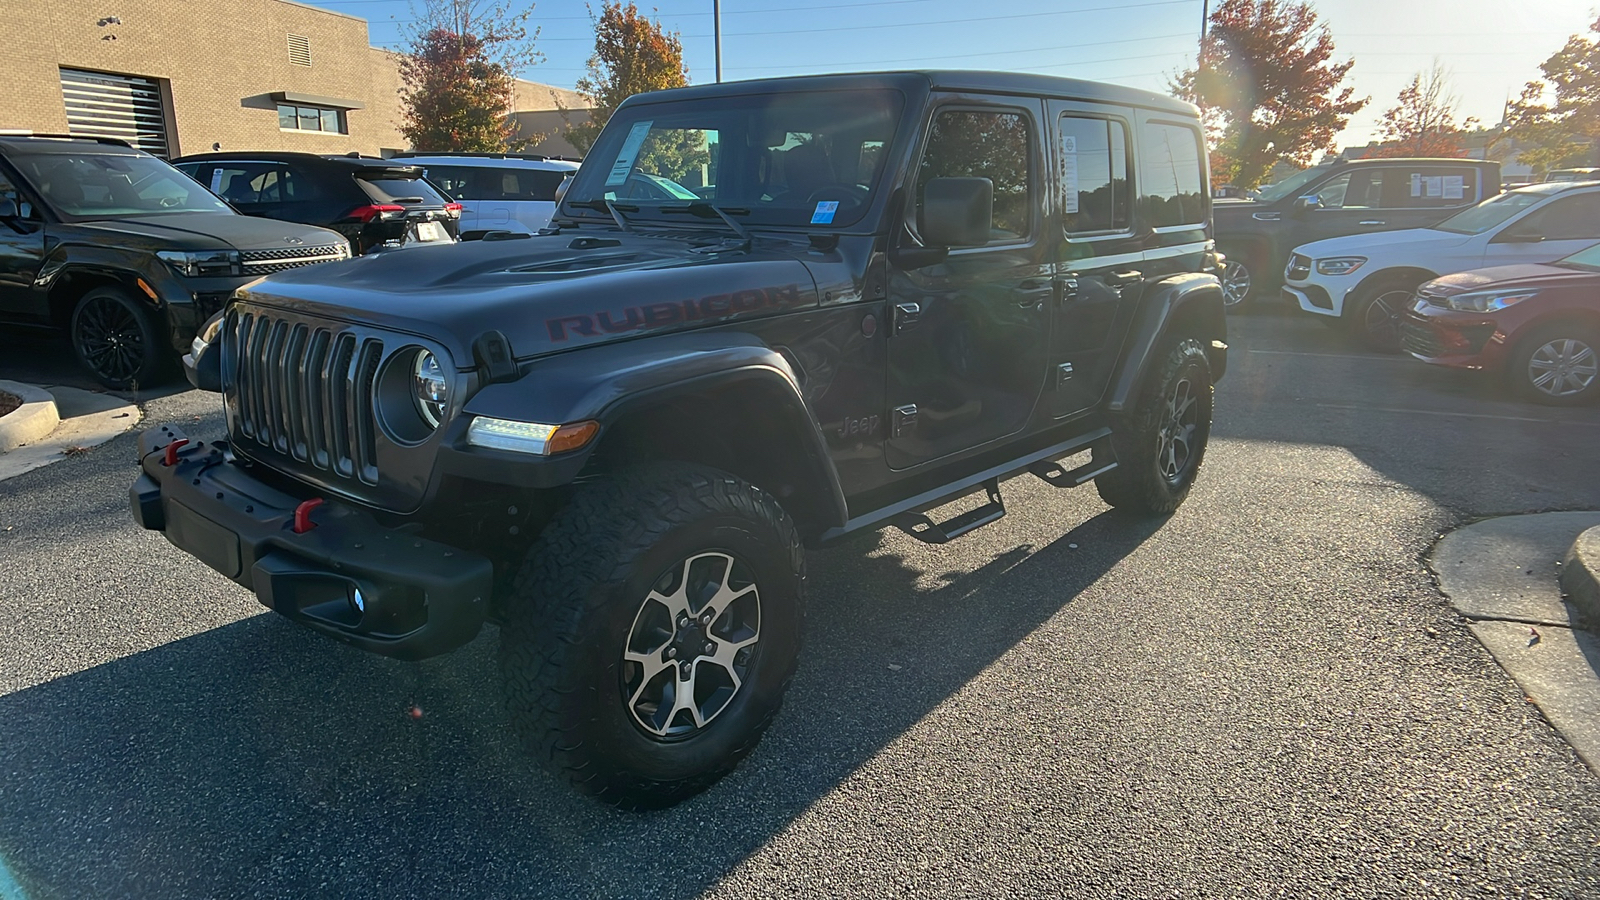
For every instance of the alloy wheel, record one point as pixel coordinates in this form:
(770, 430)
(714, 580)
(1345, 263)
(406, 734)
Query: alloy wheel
(1178, 425)
(110, 339)
(689, 652)
(1236, 283)
(1563, 367)
(1381, 319)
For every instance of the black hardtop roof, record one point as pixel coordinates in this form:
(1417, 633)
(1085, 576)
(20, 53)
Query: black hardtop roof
(323, 159)
(68, 143)
(1411, 160)
(938, 79)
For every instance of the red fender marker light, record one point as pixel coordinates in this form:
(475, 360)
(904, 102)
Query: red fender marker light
(302, 515)
(171, 458)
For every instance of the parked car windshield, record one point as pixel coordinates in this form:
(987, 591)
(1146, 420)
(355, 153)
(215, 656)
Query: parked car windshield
(1587, 258)
(1490, 213)
(95, 186)
(806, 158)
(1276, 192)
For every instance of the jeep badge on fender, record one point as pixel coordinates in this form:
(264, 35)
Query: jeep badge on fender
(617, 438)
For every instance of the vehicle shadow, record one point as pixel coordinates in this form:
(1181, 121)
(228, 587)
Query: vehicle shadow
(39, 356)
(258, 759)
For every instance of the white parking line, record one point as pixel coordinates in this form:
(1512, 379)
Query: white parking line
(1405, 359)
(1458, 415)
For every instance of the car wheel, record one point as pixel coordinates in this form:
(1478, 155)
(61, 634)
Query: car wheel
(1239, 275)
(117, 339)
(1558, 365)
(1373, 314)
(1160, 445)
(652, 632)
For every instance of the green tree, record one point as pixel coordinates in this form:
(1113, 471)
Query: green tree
(458, 74)
(1565, 128)
(1266, 88)
(632, 55)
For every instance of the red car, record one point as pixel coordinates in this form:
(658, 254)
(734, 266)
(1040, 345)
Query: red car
(1540, 324)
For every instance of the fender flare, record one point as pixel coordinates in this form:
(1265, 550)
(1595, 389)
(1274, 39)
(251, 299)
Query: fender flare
(1193, 299)
(612, 382)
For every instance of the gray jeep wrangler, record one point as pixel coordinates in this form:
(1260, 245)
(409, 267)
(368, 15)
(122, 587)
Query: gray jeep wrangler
(765, 316)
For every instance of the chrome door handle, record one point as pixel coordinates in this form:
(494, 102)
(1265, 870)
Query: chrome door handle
(1371, 222)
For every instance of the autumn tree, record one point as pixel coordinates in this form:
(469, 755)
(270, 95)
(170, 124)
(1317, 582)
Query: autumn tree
(632, 55)
(1267, 88)
(458, 74)
(1423, 122)
(1565, 128)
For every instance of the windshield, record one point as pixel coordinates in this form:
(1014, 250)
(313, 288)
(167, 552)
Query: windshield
(1284, 188)
(1490, 213)
(90, 186)
(803, 159)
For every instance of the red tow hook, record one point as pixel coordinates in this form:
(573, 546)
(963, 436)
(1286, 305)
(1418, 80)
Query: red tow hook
(302, 515)
(171, 459)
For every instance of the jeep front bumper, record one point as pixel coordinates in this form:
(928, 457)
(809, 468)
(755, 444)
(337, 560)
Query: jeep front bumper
(338, 570)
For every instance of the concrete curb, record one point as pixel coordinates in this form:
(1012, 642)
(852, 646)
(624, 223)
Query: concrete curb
(1578, 574)
(30, 422)
(87, 420)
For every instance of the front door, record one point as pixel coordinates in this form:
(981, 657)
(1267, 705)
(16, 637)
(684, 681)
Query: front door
(969, 337)
(21, 254)
(1100, 257)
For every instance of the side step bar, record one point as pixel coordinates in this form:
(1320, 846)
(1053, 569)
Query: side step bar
(1053, 473)
(928, 531)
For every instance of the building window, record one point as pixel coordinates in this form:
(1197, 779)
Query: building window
(312, 118)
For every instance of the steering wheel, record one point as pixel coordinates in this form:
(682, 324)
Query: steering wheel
(853, 194)
(169, 201)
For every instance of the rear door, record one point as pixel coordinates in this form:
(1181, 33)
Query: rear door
(21, 253)
(1099, 254)
(968, 349)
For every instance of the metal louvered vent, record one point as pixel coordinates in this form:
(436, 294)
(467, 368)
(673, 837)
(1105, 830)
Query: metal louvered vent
(299, 50)
(100, 104)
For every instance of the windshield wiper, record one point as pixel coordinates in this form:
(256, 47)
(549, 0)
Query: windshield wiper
(607, 206)
(705, 210)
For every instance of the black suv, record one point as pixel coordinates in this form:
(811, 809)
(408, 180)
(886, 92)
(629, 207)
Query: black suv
(1336, 199)
(617, 438)
(127, 254)
(374, 203)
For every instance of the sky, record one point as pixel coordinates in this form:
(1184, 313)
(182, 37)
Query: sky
(1490, 47)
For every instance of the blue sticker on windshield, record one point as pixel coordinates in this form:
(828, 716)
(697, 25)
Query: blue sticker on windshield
(824, 212)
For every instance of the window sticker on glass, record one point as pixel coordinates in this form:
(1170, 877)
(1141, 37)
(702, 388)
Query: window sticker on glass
(1435, 185)
(1455, 187)
(1069, 171)
(623, 167)
(1416, 184)
(823, 214)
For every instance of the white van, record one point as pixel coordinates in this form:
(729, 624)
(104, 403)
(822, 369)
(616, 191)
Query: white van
(497, 191)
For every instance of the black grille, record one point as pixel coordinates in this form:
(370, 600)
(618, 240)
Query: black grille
(1420, 339)
(265, 262)
(1299, 267)
(305, 391)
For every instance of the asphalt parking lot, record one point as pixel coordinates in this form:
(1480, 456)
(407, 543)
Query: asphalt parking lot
(1263, 696)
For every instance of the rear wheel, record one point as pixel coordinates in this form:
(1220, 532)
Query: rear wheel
(1159, 446)
(118, 340)
(653, 631)
(1558, 365)
(1373, 313)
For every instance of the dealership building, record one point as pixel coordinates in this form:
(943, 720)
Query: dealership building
(189, 76)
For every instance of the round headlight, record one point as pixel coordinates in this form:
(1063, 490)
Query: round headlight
(430, 388)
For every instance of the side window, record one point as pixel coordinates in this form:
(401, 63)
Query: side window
(191, 169)
(245, 183)
(296, 187)
(1094, 175)
(8, 191)
(1359, 189)
(1428, 187)
(457, 181)
(993, 145)
(1566, 219)
(1172, 190)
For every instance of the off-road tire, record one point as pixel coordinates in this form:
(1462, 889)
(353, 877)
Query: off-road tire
(119, 340)
(1578, 342)
(1138, 485)
(1391, 293)
(575, 607)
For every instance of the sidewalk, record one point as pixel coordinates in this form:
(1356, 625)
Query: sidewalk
(56, 422)
(1505, 576)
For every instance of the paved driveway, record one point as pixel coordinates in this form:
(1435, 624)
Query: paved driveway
(1263, 696)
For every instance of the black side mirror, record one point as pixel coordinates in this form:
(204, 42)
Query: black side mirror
(8, 209)
(1517, 237)
(1304, 205)
(957, 212)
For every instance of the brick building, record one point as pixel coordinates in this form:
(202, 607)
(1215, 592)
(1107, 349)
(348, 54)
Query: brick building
(187, 76)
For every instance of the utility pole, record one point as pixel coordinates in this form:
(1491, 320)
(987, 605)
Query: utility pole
(716, 31)
(1205, 16)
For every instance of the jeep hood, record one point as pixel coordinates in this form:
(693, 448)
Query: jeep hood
(1414, 241)
(550, 293)
(210, 231)
(1537, 275)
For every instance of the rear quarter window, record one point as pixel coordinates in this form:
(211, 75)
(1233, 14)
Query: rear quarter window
(1173, 192)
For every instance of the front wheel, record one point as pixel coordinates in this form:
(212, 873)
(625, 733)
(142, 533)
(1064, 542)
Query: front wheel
(1240, 274)
(653, 631)
(117, 339)
(1160, 444)
(1374, 312)
(1558, 365)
